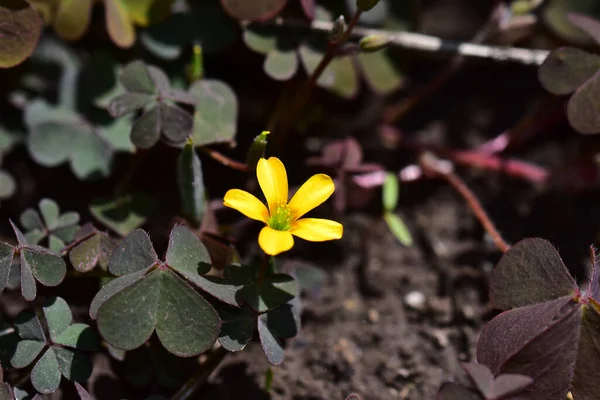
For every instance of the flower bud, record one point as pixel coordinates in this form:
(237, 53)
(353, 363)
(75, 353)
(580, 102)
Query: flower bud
(373, 43)
(195, 69)
(339, 27)
(366, 5)
(257, 149)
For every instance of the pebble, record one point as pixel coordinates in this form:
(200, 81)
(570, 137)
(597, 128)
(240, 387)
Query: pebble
(441, 337)
(348, 350)
(373, 316)
(416, 300)
(350, 305)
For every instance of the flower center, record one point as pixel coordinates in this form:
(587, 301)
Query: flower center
(281, 219)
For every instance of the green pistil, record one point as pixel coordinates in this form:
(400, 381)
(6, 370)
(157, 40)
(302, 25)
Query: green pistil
(281, 219)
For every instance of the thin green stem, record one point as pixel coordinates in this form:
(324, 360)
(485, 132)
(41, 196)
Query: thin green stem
(262, 271)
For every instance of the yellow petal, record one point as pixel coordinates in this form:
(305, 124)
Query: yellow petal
(272, 179)
(247, 204)
(311, 194)
(317, 229)
(274, 242)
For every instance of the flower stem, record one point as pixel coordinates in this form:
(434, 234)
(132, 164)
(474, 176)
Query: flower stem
(262, 270)
(302, 99)
(226, 161)
(430, 165)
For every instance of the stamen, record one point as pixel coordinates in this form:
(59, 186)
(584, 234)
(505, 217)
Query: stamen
(281, 219)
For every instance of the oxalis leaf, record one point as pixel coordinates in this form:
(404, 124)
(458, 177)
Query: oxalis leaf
(452, 391)
(566, 68)
(37, 263)
(380, 72)
(62, 330)
(284, 51)
(45, 376)
(134, 254)
(93, 251)
(276, 324)
(237, 328)
(124, 214)
(149, 298)
(581, 109)
(215, 116)
(240, 286)
(239, 325)
(185, 323)
(58, 228)
(203, 22)
(20, 30)
(530, 272)
(5, 392)
(149, 88)
(551, 324)
(8, 185)
(556, 15)
(190, 258)
(73, 18)
(255, 10)
(585, 385)
(56, 360)
(7, 253)
(496, 387)
(527, 333)
(58, 135)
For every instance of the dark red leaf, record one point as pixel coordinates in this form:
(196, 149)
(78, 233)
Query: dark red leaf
(146, 130)
(589, 25)
(530, 272)
(253, 10)
(482, 377)
(452, 391)
(566, 68)
(586, 385)
(20, 29)
(83, 394)
(495, 388)
(507, 384)
(365, 168)
(582, 108)
(344, 153)
(176, 123)
(309, 7)
(539, 341)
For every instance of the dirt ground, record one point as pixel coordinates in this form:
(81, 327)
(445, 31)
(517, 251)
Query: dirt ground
(394, 322)
(389, 322)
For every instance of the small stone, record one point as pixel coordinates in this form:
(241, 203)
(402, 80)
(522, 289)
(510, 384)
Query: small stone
(441, 337)
(348, 350)
(469, 312)
(403, 372)
(350, 305)
(416, 300)
(373, 316)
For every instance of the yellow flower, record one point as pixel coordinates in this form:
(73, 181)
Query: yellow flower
(282, 218)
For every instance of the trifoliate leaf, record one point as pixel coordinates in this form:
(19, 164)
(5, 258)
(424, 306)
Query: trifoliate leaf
(20, 31)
